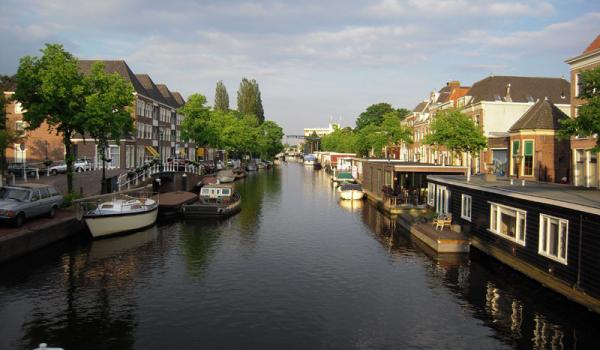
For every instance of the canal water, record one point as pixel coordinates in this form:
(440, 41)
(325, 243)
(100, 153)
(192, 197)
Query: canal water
(296, 269)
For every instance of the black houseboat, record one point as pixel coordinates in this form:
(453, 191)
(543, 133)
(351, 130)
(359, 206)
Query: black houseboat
(549, 232)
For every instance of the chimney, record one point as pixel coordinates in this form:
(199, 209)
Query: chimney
(507, 97)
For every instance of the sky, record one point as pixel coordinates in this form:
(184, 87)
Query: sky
(315, 61)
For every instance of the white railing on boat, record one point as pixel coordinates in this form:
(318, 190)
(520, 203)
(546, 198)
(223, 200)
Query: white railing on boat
(85, 205)
(125, 181)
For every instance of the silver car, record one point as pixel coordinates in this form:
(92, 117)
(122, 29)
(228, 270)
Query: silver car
(21, 202)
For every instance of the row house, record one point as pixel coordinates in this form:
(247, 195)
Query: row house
(496, 103)
(584, 162)
(156, 123)
(420, 120)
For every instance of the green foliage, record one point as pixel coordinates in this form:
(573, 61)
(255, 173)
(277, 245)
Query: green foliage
(221, 98)
(249, 100)
(375, 113)
(238, 133)
(394, 131)
(587, 122)
(457, 132)
(52, 90)
(340, 140)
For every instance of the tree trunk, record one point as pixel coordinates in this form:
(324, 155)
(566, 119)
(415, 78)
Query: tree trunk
(69, 160)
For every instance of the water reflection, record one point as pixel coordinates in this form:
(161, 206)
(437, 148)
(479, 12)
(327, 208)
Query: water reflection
(352, 206)
(198, 240)
(523, 313)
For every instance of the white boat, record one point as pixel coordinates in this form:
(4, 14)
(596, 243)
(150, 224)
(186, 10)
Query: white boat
(225, 176)
(309, 159)
(121, 215)
(351, 192)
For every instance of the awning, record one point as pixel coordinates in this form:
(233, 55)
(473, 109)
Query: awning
(152, 151)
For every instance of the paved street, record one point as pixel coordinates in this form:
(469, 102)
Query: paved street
(87, 182)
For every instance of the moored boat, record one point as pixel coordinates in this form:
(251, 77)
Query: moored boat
(309, 159)
(351, 191)
(225, 176)
(239, 173)
(342, 177)
(317, 165)
(251, 166)
(121, 214)
(214, 201)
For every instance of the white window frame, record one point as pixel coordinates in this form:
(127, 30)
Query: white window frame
(466, 206)
(431, 194)
(544, 250)
(519, 213)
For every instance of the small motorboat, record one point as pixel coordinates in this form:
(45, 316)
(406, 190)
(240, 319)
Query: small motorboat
(309, 159)
(121, 214)
(342, 177)
(214, 201)
(351, 191)
(317, 165)
(225, 176)
(251, 166)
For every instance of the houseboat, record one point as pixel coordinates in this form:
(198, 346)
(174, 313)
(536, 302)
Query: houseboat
(549, 232)
(214, 201)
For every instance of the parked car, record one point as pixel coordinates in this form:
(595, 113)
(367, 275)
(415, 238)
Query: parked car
(18, 168)
(79, 165)
(18, 203)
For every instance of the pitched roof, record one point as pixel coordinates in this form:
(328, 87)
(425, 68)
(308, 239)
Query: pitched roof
(178, 98)
(421, 107)
(522, 89)
(150, 87)
(166, 94)
(542, 115)
(112, 66)
(595, 45)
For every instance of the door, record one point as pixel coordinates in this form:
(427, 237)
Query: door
(441, 199)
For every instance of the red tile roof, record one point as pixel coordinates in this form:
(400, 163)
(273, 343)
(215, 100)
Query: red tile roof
(593, 46)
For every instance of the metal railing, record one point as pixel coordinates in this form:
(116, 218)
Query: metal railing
(126, 181)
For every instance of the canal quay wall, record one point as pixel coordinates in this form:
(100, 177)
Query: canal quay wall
(36, 234)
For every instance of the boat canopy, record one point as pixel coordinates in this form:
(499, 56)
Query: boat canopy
(344, 176)
(351, 187)
(310, 157)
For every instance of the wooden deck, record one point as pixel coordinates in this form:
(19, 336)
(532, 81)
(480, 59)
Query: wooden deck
(170, 202)
(441, 241)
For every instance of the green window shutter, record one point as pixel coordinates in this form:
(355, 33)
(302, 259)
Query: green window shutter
(528, 148)
(515, 147)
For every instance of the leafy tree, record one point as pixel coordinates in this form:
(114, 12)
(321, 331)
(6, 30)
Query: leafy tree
(221, 97)
(240, 135)
(198, 124)
(249, 101)
(52, 90)
(340, 140)
(107, 114)
(587, 122)
(394, 131)
(458, 133)
(374, 115)
(270, 135)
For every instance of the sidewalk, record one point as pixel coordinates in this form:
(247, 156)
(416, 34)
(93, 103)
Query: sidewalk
(88, 182)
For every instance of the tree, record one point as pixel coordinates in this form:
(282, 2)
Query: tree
(587, 122)
(52, 90)
(106, 114)
(269, 141)
(249, 100)
(198, 124)
(394, 131)
(221, 98)
(458, 133)
(374, 115)
(340, 140)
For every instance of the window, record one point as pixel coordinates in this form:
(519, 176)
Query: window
(441, 199)
(528, 158)
(465, 208)
(516, 145)
(508, 222)
(554, 234)
(431, 194)
(53, 192)
(44, 192)
(20, 128)
(388, 178)
(140, 107)
(578, 84)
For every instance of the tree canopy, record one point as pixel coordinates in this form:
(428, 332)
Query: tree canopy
(587, 122)
(457, 132)
(221, 97)
(249, 101)
(52, 90)
(374, 114)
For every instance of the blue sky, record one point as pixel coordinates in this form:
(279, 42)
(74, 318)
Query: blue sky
(313, 59)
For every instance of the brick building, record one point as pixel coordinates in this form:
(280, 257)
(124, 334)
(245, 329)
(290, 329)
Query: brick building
(584, 162)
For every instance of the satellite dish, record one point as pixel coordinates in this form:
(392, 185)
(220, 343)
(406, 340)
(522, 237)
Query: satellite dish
(22, 146)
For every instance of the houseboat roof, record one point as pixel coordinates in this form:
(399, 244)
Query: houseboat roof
(566, 196)
(220, 185)
(416, 167)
